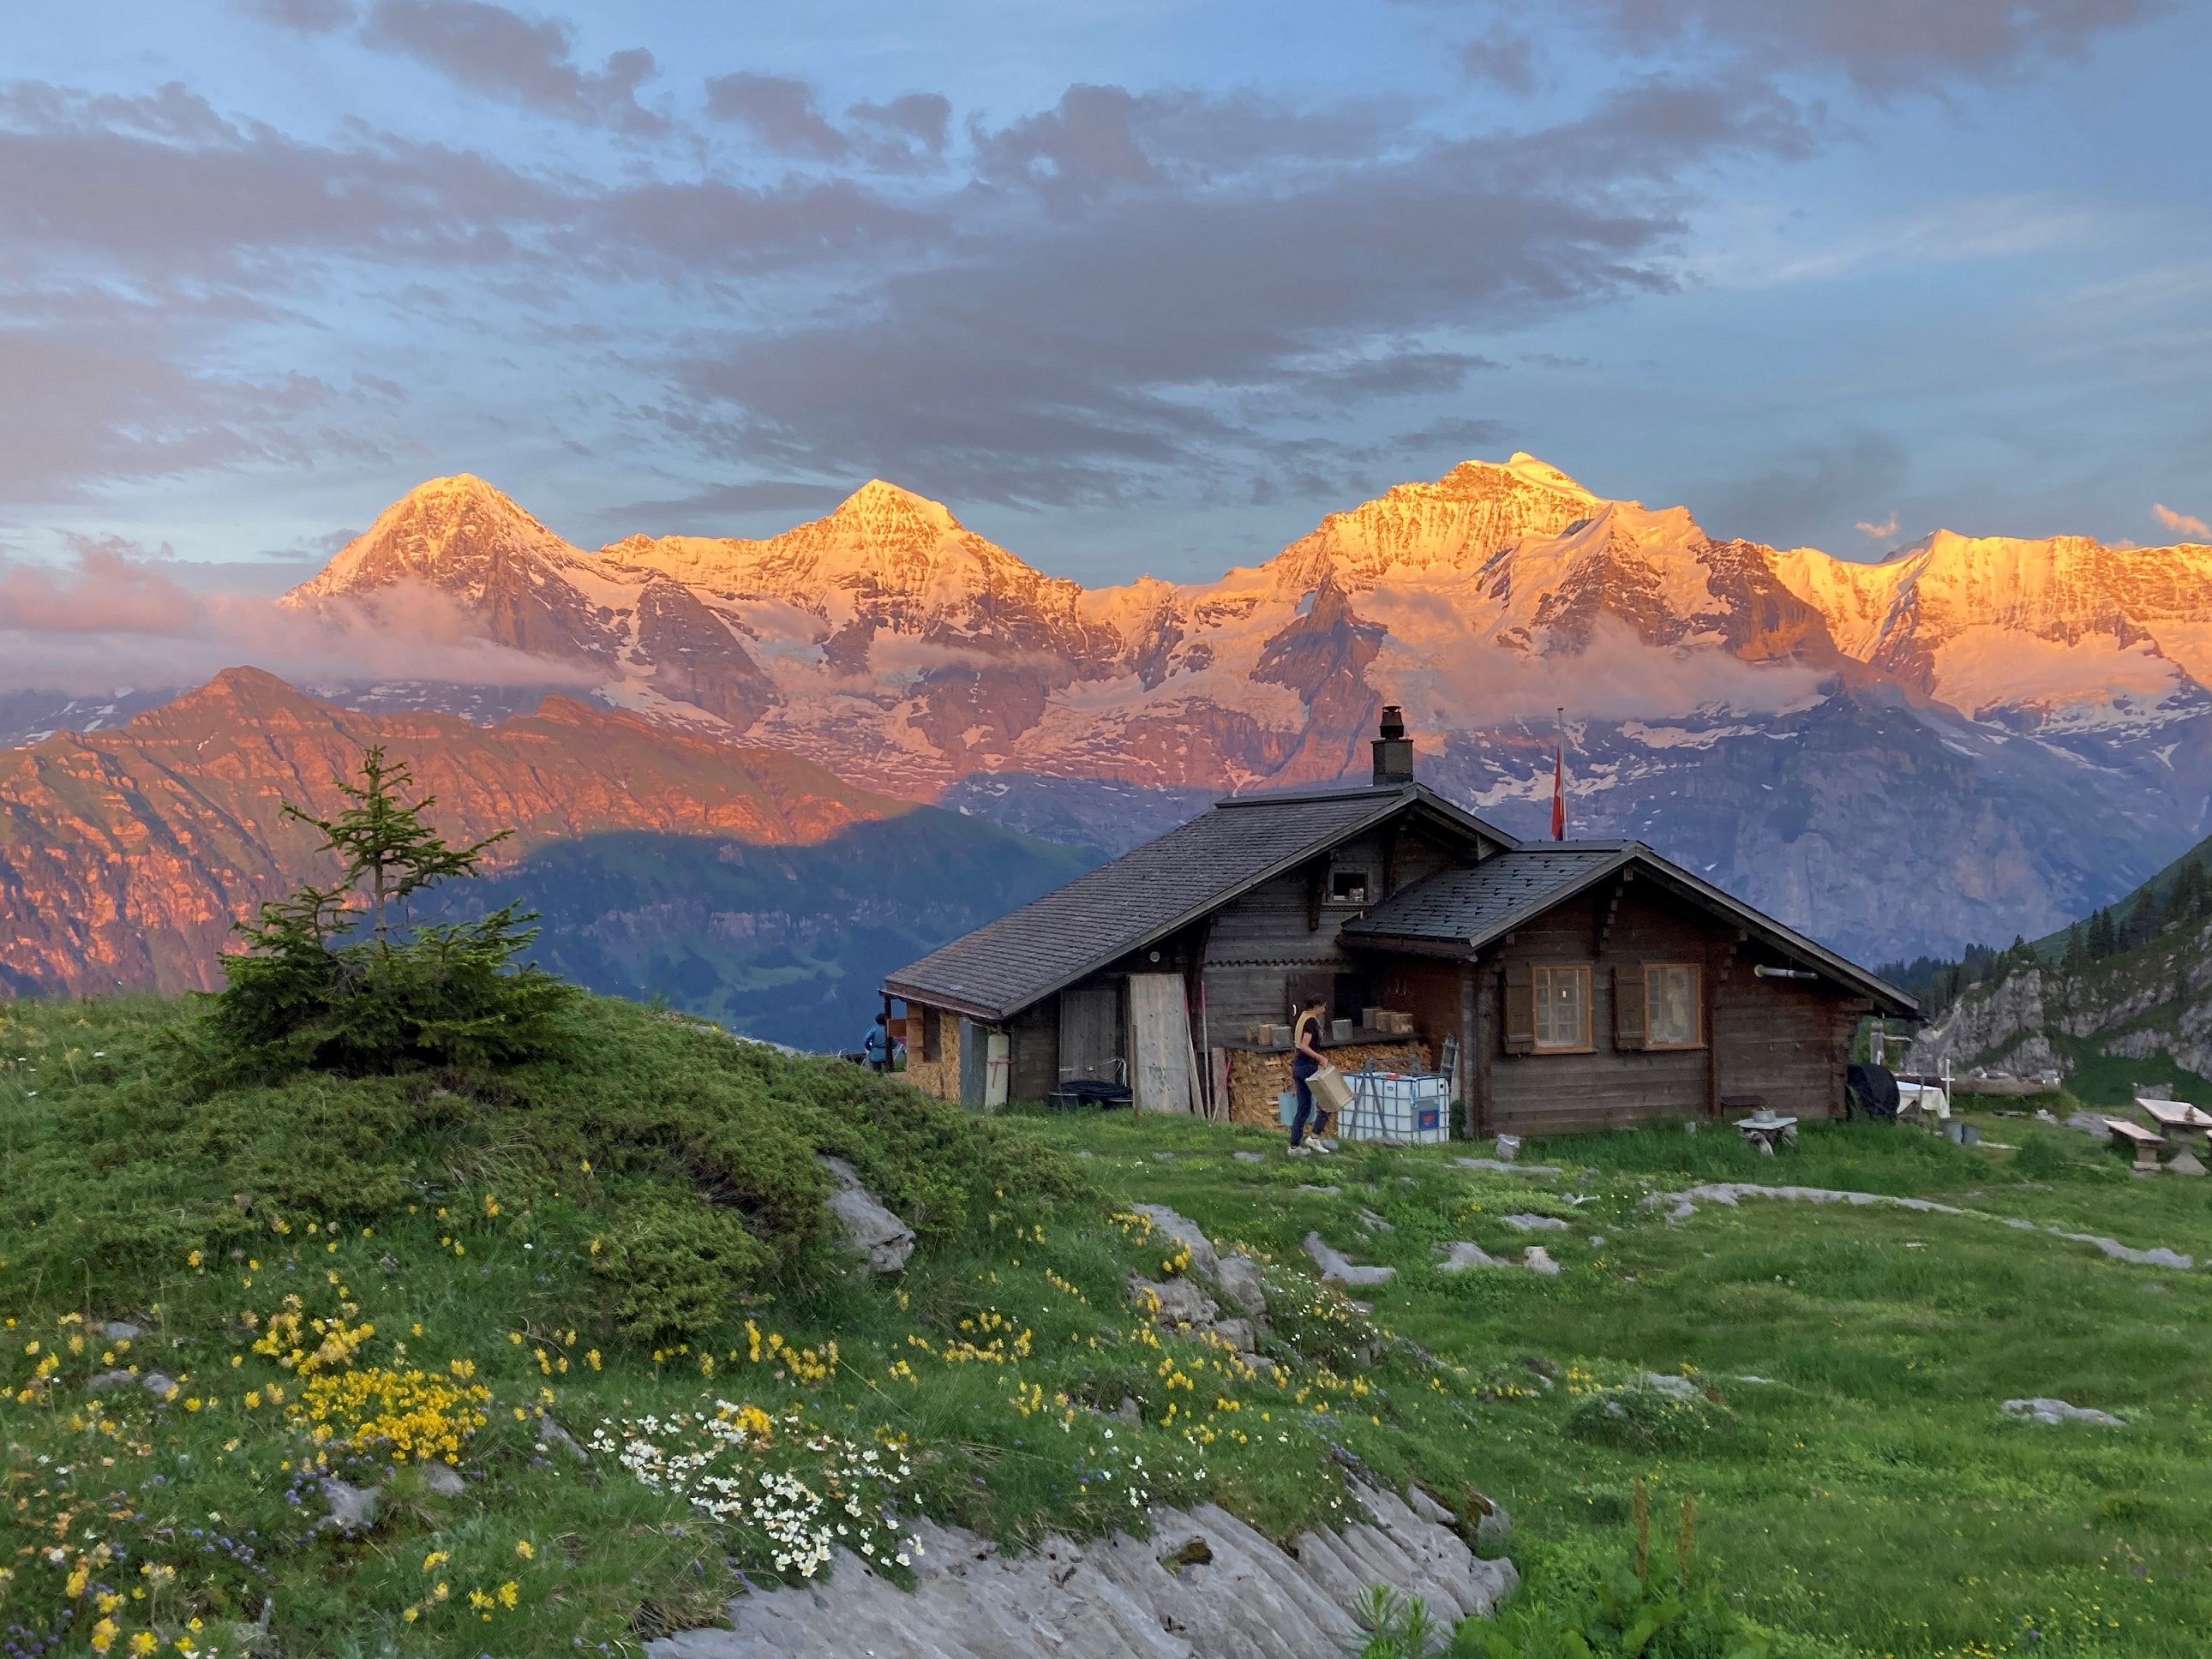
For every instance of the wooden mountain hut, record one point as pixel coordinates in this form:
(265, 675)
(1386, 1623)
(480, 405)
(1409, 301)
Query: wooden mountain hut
(1562, 985)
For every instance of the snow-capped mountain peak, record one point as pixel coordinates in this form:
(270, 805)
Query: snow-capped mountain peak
(1457, 521)
(454, 532)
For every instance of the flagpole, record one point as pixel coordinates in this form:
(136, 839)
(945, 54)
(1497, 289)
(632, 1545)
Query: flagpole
(1559, 779)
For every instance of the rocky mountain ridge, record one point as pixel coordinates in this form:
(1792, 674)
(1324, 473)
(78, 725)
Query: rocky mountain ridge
(2009, 732)
(663, 860)
(2120, 997)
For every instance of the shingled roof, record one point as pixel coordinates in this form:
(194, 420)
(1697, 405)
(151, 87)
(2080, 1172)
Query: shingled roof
(1148, 894)
(1459, 911)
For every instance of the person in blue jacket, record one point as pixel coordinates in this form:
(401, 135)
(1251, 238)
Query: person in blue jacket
(877, 1045)
(1305, 1061)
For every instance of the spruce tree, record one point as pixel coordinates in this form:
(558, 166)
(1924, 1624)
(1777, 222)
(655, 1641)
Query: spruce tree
(450, 993)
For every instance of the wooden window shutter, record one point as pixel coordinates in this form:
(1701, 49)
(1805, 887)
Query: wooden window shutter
(1629, 1025)
(1520, 1011)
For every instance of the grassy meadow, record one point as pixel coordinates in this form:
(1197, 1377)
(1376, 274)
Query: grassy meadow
(1863, 1496)
(582, 1326)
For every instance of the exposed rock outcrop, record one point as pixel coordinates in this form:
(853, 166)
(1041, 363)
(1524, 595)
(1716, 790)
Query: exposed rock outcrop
(878, 1236)
(1204, 1585)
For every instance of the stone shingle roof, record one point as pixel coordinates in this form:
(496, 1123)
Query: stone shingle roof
(1472, 905)
(1147, 894)
(1476, 901)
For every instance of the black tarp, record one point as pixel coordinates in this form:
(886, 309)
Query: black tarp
(1870, 1091)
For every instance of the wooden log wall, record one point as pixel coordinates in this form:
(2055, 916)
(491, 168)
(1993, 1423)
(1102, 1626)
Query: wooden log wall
(1290, 926)
(1784, 1041)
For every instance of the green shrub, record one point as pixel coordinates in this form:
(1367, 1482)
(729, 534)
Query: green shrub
(673, 1264)
(2040, 1158)
(1642, 1419)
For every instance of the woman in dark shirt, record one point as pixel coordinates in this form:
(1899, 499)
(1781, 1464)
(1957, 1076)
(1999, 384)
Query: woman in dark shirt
(1305, 1061)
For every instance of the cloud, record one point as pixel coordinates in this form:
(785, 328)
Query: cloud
(119, 414)
(2181, 524)
(696, 514)
(1883, 48)
(1084, 352)
(1881, 532)
(1504, 57)
(1807, 490)
(69, 629)
(164, 185)
(503, 55)
(906, 135)
(1073, 154)
(779, 112)
(910, 133)
(301, 16)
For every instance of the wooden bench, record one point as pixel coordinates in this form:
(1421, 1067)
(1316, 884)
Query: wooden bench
(2145, 1142)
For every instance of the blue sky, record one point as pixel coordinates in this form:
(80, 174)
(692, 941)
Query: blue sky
(1139, 287)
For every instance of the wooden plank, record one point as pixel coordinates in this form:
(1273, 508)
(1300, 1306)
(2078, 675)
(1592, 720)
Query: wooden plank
(1159, 1025)
(1091, 1033)
(1464, 1083)
(1486, 1022)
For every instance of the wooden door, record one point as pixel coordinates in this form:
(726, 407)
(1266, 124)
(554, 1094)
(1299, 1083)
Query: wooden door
(1091, 1033)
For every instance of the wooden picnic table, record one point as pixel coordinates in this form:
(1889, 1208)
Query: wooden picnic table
(2177, 1113)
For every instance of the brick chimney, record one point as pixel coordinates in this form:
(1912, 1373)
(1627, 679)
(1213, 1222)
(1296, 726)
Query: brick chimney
(1394, 750)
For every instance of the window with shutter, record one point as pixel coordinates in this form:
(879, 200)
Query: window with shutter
(1628, 1007)
(1674, 1005)
(1562, 1000)
(1520, 1011)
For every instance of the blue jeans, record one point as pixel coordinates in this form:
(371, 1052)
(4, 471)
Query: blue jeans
(1302, 1071)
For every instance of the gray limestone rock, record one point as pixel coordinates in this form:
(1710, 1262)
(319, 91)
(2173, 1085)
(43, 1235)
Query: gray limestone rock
(1535, 1224)
(121, 1330)
(867, 1226)
(1240, 1282)
(1250, 1157)
(2057, 1411)
(550, 1433)
(444, 1480)
(158, 1384)
(1537, 1259)
(1463, 1254)
(100, 1382)
(1427, 1507)
(1334, 1265)
(1496, 1167)
(1187, 1233)
(1205, 1584)
(1674, 1388)
(1173, 1302)
(1239, 1334)
(353, 1509)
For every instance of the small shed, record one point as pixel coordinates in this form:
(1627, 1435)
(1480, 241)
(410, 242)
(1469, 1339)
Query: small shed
(1567, 984)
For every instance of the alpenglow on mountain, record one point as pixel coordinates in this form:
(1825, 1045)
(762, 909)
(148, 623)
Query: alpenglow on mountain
(1972, 739)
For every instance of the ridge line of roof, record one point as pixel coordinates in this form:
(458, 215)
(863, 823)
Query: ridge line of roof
(1382, 804)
